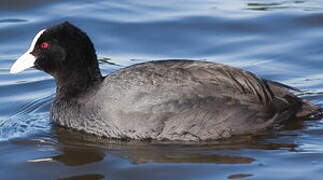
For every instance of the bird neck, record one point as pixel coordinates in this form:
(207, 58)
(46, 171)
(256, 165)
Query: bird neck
(75, 82)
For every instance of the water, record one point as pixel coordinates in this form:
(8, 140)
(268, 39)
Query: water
(278, 40)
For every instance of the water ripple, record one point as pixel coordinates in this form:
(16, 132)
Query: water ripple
(26, 109)
(22, 125)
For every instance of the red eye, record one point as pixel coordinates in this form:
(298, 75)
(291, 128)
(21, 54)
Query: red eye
(44, 45)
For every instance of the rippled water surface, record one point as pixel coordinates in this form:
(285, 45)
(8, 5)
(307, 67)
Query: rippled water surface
(278, 40)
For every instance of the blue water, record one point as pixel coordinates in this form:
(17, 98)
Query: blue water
(280, 40)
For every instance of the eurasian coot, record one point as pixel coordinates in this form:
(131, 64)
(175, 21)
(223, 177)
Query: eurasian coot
(162, 100)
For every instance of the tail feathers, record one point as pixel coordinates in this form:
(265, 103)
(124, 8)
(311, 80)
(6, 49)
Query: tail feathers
(281, 85)
(316, 115)
(305, 109)
(309, 111)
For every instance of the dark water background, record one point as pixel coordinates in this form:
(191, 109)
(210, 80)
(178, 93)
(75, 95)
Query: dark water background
(279, 40)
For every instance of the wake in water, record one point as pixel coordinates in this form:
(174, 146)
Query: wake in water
(32, 118)
(23, 125)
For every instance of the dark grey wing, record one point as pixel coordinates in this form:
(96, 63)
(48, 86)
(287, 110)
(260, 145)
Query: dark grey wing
(193, 100)
(217, 117)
